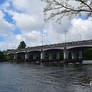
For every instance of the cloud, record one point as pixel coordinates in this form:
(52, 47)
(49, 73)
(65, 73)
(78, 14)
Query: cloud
(33, 38)
(28, 22)
(29, 6)
(19, 37)
(31, 25)
(6, 31)
(4, 25)
(79, 30)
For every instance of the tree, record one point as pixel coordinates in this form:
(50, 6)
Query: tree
(2, 57)
(87, 54)
(58, 9)
(22, 45)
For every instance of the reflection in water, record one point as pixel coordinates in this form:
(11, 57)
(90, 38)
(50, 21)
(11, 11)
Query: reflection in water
(37, 78)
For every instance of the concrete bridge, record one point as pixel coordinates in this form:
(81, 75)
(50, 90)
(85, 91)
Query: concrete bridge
(52, 52)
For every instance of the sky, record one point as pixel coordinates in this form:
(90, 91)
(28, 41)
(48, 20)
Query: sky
(23, 20)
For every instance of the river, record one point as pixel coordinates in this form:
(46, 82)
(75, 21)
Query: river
(39, 78)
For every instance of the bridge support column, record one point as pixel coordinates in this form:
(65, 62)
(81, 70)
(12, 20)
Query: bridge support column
(80, 54)
(26, 56)
(15, 56)
(73, 54)
(66, 52)
(42, 55)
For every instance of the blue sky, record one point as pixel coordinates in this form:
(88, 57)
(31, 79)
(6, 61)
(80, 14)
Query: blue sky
(2, 1)
(9, 18)
(21, 20)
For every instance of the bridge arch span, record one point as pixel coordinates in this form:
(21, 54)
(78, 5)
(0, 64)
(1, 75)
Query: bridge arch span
(34, 51)
(79, 47)
(53, 49)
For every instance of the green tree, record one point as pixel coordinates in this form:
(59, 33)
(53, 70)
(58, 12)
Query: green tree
(2, 57)
(22, 45)
(57, 9)
(87, 54)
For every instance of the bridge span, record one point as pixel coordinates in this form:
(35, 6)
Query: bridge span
(53, 52)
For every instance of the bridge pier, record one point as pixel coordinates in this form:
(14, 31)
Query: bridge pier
(26, 56)
(66, 53)
(42, 55)
(15, 56)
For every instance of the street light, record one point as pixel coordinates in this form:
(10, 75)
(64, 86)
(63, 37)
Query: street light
(65, 40)
(42, 38)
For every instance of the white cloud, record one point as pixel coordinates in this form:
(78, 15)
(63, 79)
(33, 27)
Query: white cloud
(33, 38)
(27, 22)
(19, 37)
(6, 32)
(80, 29)
(31, 23)
(4, 25)
(30, 27)
(29, 6)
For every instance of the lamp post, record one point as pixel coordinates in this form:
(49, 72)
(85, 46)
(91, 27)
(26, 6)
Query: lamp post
(65, 40)
(42, 54)
(42, 41)
(65, 50)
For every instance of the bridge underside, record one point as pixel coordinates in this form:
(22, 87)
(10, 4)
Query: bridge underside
(79, 48)
(49, 56)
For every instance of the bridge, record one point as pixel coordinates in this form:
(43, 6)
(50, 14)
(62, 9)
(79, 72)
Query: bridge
(52, 52)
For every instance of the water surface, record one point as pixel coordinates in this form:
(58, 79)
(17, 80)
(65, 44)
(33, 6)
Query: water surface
(39, 78)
